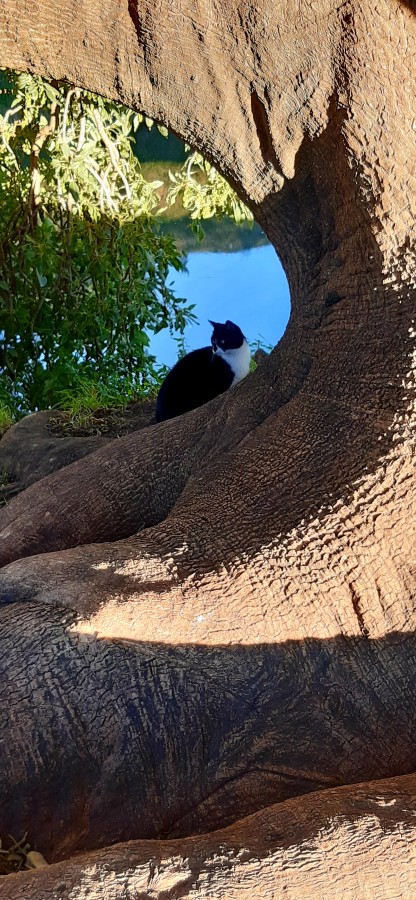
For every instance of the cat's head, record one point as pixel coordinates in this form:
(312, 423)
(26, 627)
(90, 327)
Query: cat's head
(226, 336)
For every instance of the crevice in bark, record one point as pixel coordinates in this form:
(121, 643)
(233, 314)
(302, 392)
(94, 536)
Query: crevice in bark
(187, 823)
(133, 8)
(346, 836)
(259, 114)
(356, 604)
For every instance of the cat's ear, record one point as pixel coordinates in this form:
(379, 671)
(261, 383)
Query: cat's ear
(230, 324)
(214, 324)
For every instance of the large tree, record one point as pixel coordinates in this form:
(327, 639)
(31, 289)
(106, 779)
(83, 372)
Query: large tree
(216, 614)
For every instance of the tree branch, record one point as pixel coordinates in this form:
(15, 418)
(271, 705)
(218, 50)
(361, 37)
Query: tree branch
(39, 142)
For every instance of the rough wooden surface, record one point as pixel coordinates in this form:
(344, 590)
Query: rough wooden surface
(218, 613)
(44, 442)
(349, 843)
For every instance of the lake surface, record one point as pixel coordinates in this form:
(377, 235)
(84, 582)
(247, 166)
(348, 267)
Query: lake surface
(249, 287)
(233, 274)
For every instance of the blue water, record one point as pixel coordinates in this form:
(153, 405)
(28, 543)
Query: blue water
(249, 287)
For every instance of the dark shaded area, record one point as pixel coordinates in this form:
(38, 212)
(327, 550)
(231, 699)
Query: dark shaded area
(259, 113)
(389, 803)
(150, 146)
(113, 740)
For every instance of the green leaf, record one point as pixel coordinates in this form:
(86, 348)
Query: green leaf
(51, 92)
(74, 190)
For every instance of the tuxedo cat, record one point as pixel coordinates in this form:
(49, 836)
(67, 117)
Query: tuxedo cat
(203, 374)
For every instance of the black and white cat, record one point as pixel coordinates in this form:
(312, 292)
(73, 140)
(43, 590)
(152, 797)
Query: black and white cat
(203, 374)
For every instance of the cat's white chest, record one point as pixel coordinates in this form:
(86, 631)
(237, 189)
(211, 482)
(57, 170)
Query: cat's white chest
(238, 361)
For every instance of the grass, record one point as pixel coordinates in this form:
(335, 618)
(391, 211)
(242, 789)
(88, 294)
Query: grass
(83, 405)
(6, 419)
(93, 407)
(89, 396)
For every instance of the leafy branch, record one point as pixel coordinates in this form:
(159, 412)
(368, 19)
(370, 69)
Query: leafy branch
(205, 193)
(83, 266)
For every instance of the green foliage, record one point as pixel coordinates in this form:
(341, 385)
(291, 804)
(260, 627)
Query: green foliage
(83, 264)
(259, 344)
(83, 267)
(6, 418)
(88, 396)
(86, 304)
(68, 149)
(205, 193)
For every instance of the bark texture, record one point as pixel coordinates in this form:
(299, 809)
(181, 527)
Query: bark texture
(217, 613)
(338, 843)
(47, 441)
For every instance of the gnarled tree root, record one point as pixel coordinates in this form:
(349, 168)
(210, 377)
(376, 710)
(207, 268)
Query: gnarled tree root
(352, 842)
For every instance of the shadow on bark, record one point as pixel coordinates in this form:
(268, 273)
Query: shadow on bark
(343, 841)
(105, 741)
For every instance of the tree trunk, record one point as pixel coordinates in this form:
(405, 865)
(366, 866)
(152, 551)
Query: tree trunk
(337, 843)
(232, 594)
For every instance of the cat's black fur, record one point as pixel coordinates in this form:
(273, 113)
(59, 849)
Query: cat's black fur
(202, 374)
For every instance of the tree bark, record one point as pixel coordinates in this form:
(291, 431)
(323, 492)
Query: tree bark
(217, 613)
(335, 843)
(47, 441)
